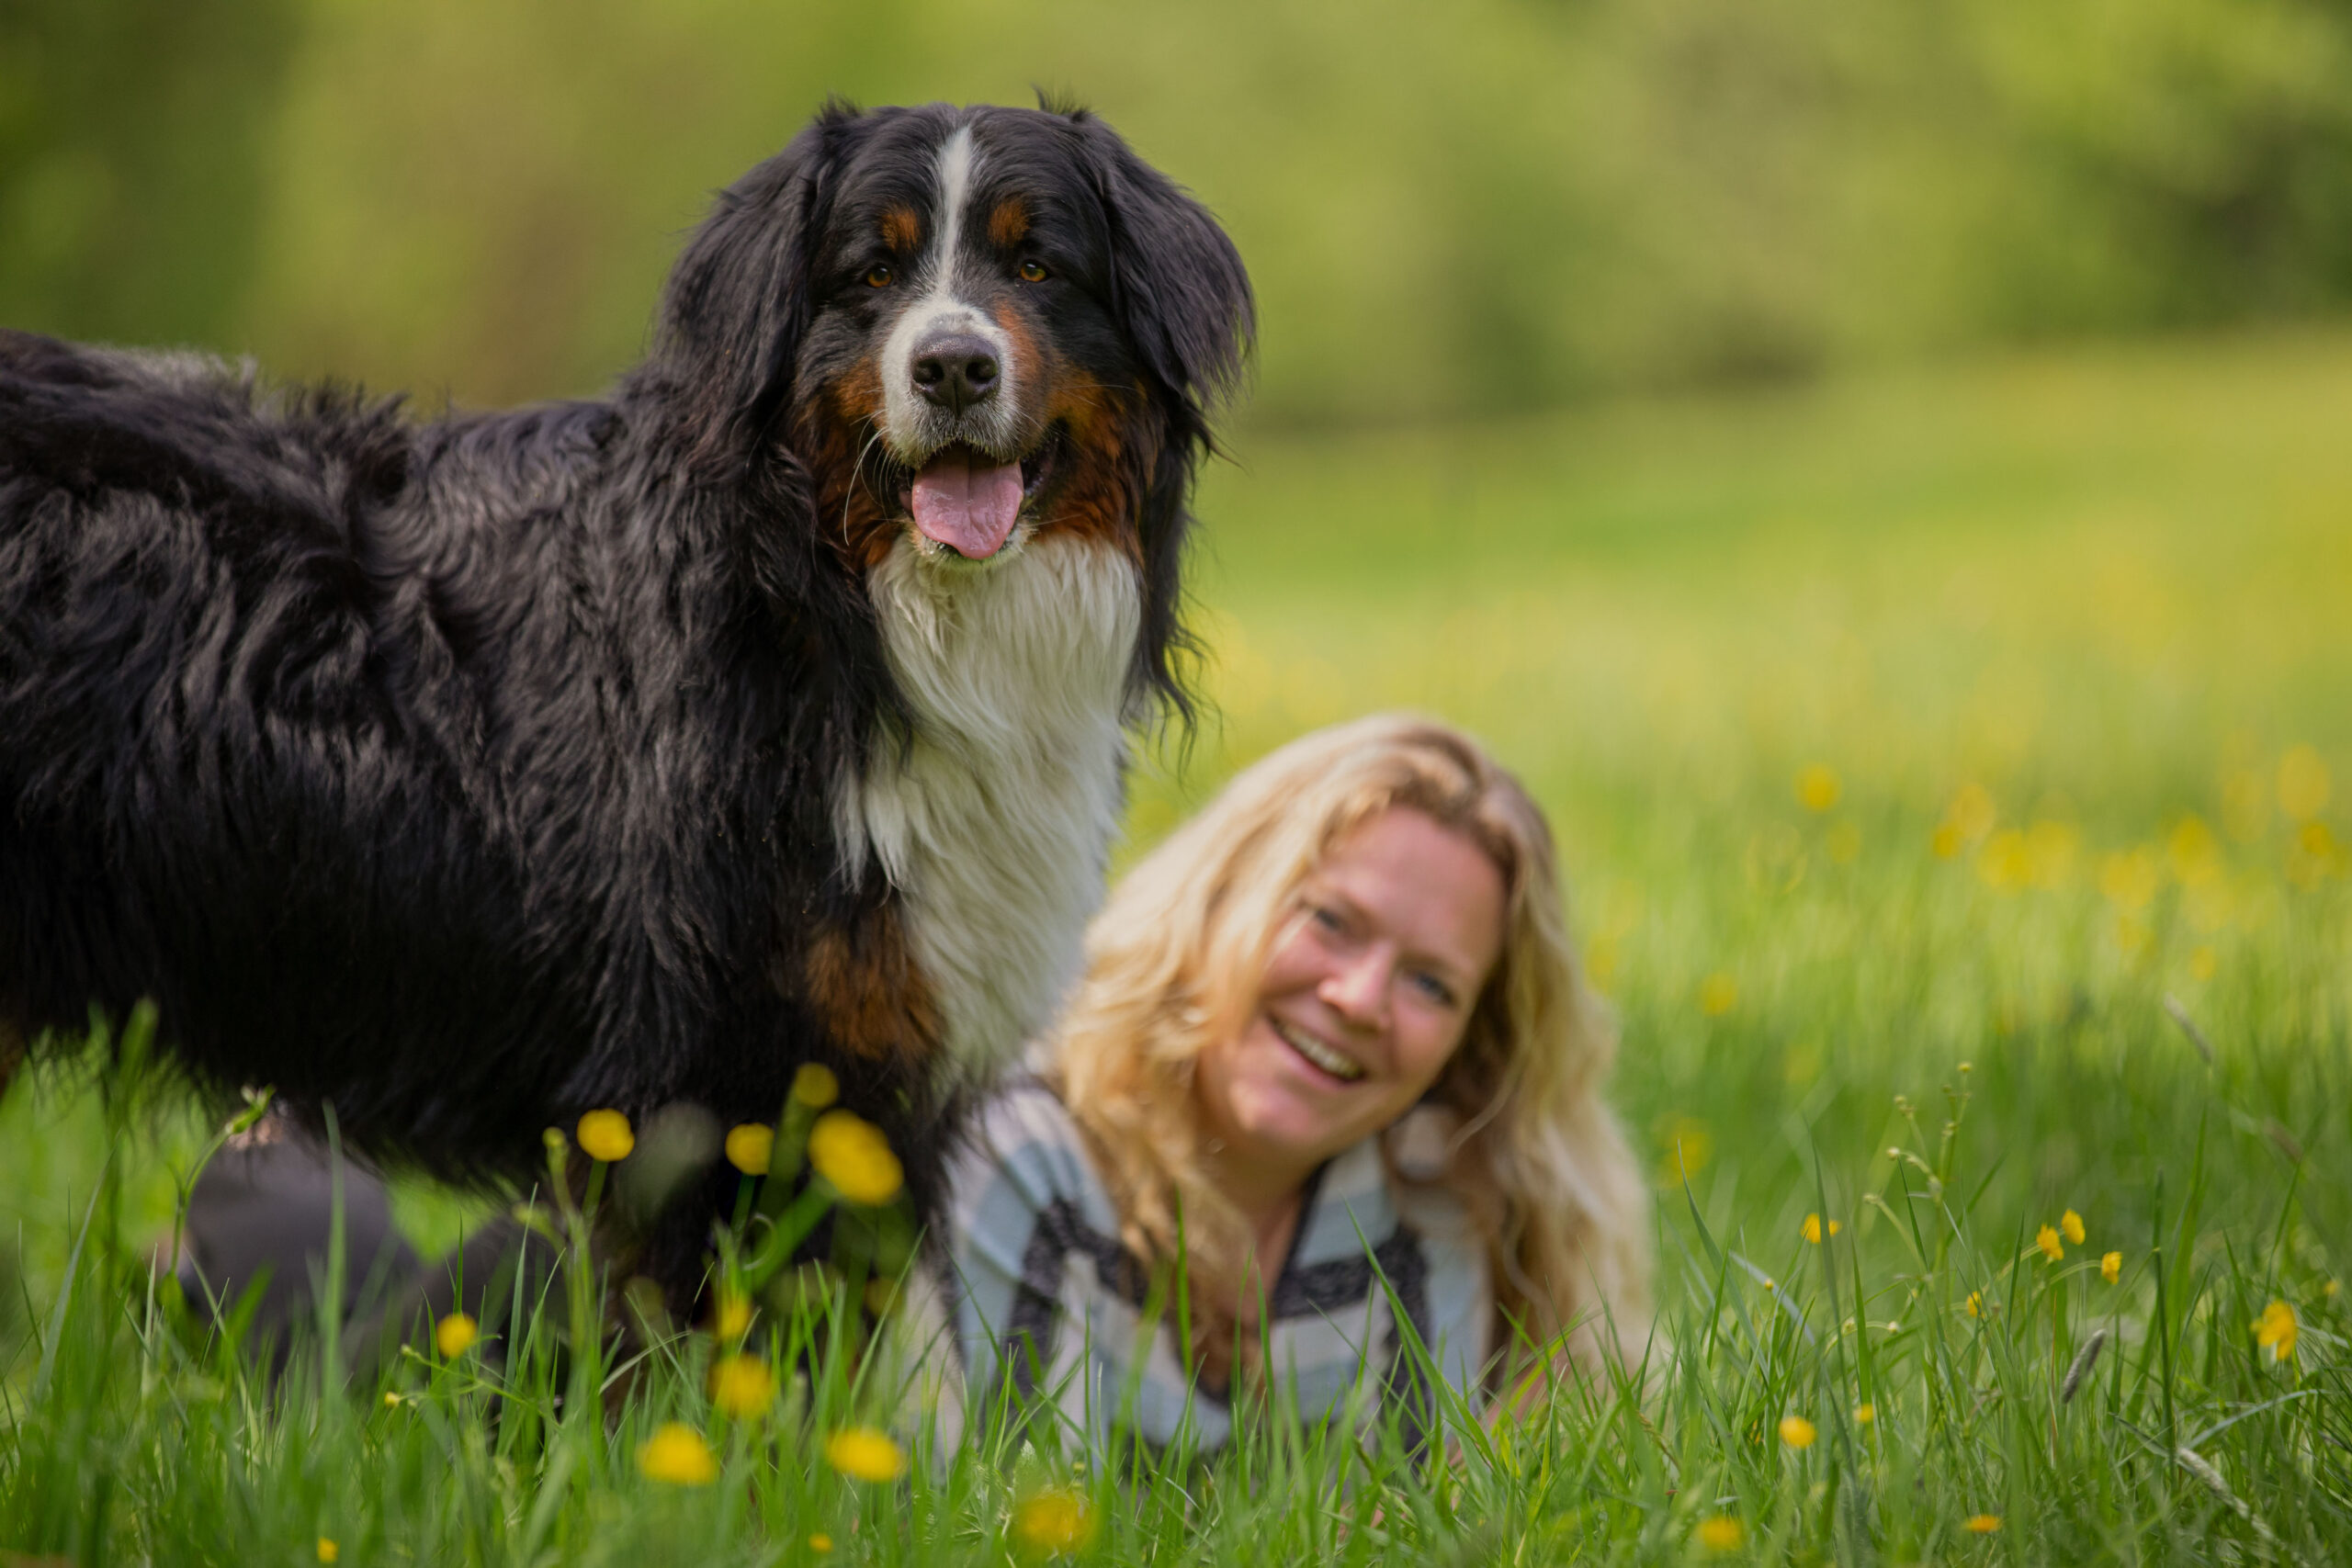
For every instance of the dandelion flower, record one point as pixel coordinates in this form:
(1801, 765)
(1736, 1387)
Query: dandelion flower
(2046, 1239)
(2275, 1330)
(1983, 1524)
(820, 1542)
(1721, 1533)
(1865, 1412)
(604, 1135)
(677, 1456)
(1053, 1522)
(2303, 784)
(1818, 787)
(455, 1335)
(741, 1386)
(851, 1153)
(2071, 1225)
(733, 1318)
(1976, 1304)
(1797, 1432)
(815, 1086)
(328, 1550)
(2203, 964)
(751, 1147)
(1812, 1228)
(2110, 1267)
(865, 1454)
(1718, 994)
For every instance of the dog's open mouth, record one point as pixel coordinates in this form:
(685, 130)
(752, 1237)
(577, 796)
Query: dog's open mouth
(966, 501)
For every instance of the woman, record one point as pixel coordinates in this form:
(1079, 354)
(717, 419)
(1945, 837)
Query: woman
(1330, 1086)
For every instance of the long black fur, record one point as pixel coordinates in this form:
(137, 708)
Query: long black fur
(474, 773)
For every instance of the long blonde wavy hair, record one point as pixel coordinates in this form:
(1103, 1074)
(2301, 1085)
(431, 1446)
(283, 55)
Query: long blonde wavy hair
(1174, 961)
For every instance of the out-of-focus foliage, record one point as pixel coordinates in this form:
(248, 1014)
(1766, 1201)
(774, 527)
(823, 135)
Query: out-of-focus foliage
(1454, 209)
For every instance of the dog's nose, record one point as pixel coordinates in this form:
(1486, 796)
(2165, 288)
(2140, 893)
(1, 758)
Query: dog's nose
(955, 371)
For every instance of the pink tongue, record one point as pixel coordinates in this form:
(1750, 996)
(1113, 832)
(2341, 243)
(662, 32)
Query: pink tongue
(968, 507)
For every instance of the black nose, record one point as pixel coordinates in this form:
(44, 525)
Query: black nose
(956, 370)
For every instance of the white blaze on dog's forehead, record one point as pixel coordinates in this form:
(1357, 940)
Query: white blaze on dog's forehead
(910, 426)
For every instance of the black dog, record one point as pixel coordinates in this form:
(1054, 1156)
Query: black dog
(470, 774)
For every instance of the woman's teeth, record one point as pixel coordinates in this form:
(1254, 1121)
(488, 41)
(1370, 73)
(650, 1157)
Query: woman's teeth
(1322, 1056)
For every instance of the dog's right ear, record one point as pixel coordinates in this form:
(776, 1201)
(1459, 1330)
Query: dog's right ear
(737, 304)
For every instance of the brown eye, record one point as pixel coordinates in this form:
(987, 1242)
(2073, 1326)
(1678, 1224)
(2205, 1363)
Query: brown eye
(1032, 271)
(881, 276)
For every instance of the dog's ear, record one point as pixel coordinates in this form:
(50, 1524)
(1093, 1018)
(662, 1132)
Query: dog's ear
(737, 304)
(1178, 285)
(1178, 290)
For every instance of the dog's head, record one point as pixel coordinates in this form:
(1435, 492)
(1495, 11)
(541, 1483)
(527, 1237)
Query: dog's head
(971, 328)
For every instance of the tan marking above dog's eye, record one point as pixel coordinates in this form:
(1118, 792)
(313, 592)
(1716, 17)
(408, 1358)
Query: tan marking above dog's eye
(1033, 271)
(881, 276)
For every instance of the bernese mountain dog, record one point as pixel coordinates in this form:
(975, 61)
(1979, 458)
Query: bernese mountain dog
(468, 774)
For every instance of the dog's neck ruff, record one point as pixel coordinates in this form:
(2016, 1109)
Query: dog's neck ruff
(994, 820)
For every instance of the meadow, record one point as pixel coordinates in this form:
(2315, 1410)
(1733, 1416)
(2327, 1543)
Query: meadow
(1954, 772)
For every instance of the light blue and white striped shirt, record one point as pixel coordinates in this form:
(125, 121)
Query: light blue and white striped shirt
(1041, 1298)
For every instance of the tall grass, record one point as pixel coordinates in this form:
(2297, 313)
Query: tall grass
(1952, 772)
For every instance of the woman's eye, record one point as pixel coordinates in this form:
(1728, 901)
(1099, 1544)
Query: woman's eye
(881, 276)
(1324, 916)
(1437, 991)
(1032, 271)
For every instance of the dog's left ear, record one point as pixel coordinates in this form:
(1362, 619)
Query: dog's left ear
(737, 304)
(1178, 284)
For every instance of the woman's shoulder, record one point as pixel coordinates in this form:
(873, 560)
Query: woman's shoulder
(1023, 1147)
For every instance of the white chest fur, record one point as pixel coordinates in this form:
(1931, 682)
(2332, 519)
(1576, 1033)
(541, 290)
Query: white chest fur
(996, 822)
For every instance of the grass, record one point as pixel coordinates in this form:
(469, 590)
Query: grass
(1956, 764)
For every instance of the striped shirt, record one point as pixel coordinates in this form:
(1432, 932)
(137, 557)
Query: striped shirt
(1041, 1297)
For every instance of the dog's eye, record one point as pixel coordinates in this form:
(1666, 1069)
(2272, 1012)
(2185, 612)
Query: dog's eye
(881, 276)
(1032, 271)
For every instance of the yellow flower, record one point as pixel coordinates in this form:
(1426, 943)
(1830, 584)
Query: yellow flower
(2006, 860)
(751, 1147)
(2303, 784)
(2071, 1224)
(677, 1455)
(741, 1386)
(391, 1399)
(2203, 964)
(604, 1135)
(1812, 1228)
(1976, 1304)
(815, 1086)
(851, 1153)
(1721, 1533)
(1865, 1412)
(865, 1454)
(1818, 787)
(1797, 1432)
(2046, 1238)
(455, 1335)
(1983, 1524)
(1718, 994)
(2110, 1267)
(1970, 814)
(2130, 878)
(1053, 1522)
(820, 1542)
(2275, 1329)
(732, 1316)
(1945, 841)
(328, 1550)
(2328, 1290)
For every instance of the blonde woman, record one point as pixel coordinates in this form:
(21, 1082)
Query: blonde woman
(1333, 1053)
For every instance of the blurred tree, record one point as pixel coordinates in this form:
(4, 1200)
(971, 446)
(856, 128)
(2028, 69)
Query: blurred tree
(1449, 210)
(133, 140)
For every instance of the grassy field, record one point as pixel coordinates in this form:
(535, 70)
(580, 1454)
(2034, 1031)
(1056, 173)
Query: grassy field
(1955, 773)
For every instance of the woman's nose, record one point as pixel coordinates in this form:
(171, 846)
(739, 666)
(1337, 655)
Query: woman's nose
(1357, 988)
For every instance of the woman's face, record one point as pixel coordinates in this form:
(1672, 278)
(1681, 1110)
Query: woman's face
(1364, 1002)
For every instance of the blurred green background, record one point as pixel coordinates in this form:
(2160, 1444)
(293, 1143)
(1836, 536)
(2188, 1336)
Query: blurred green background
(1881, 471)
(1448, 210)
